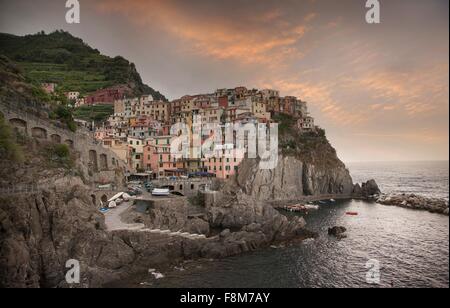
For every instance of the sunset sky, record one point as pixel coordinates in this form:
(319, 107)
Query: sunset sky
(380, 91)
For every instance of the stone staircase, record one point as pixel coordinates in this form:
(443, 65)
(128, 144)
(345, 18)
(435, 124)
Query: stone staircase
(114, 223)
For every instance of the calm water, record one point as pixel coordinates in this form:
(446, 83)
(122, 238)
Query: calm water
(412, 247)
(425, 178)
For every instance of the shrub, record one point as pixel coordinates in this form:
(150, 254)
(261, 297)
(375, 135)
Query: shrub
(9, 149)
(62, 151)
(59, 156)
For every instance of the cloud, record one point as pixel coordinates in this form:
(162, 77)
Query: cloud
(355, 77)
(267, 39)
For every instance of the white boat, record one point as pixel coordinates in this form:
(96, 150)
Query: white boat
(115, 197)
(311, 207)
(160, 192)
(126, 197)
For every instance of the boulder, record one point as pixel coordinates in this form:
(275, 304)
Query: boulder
(197, 226)
(337, 232)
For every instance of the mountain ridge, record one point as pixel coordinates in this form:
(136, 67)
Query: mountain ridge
(62, 58)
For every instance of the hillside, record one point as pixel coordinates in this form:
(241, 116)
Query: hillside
(66, 60)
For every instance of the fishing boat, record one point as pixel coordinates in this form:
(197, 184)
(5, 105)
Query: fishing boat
(352, 213)
(311, 207)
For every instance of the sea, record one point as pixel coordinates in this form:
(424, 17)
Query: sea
(386, 247)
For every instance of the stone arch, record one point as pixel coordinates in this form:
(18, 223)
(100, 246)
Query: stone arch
(93, 160)
(104, 199)
(103, 162)
(55, 138)
(69, 142)
(19, 125)
(39, 133)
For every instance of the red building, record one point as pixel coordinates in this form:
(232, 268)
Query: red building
(223, 101)
(108, 96)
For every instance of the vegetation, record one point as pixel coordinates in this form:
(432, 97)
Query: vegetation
(312, 146)
(98, 113)
(9, 149)
(285, 123)
(14, 90)
(59, 156)
(66, 60)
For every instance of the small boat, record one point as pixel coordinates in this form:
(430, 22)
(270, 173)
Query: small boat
(332, 200)
(115, 197)
(160, 192)
(311, 207)
(352, 213)
(300, 208)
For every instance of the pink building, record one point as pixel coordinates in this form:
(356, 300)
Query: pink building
(49, 87)
(226, 166)
(157, 157)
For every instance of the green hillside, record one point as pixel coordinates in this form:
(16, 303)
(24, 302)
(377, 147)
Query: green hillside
(66, 60)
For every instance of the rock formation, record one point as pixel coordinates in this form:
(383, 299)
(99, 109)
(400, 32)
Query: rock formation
(412, 201)
(337, 232)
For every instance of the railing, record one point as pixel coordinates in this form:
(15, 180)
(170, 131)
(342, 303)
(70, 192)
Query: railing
(22, 189)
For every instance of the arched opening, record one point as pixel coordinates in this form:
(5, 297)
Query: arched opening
(104, 199)
(69, 143)
(55, 138)
(93, 164)
(39, 133)
(94, 200)
(103, 162)
(19, 125)
(176, 193)
(192, 186)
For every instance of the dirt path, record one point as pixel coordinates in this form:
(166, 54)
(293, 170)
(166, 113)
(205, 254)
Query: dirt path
(114, 222)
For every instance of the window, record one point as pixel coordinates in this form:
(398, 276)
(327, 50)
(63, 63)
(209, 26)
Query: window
(192, 186)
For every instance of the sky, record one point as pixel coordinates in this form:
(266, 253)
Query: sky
(381, 91)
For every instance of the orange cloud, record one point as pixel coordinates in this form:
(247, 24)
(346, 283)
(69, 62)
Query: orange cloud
(219, 38)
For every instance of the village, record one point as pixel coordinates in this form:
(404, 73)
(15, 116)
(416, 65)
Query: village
(139, 131)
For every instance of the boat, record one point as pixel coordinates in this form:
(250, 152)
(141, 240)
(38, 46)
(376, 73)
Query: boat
(352, 213)
(311, 207)
(116, 196)
(160, 192)
(300, 208)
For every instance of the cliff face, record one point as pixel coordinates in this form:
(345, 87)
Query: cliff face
(40, 232)
(293, 179)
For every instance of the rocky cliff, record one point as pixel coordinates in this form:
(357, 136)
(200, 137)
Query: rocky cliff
(293, 179)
